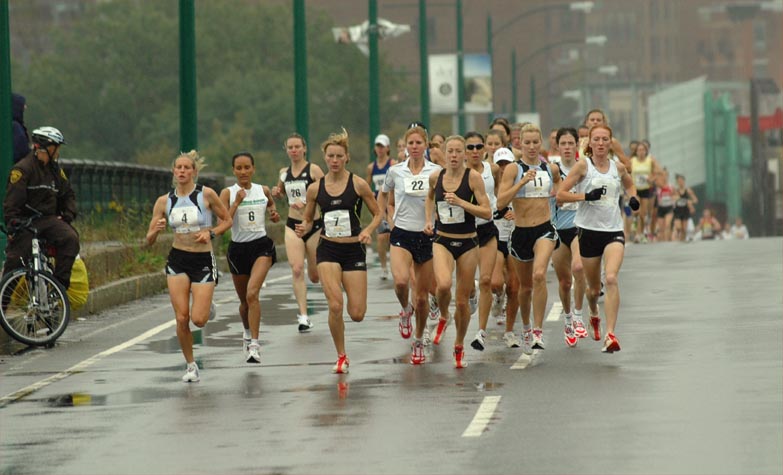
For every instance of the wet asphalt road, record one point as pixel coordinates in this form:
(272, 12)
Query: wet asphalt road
(697, 387)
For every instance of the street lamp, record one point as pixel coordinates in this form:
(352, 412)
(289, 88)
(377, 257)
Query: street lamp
(582, 6)
(598, 40)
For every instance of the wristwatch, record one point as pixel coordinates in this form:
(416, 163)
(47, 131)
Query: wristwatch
(212, 234)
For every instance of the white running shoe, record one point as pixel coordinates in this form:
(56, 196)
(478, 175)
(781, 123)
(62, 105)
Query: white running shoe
(512, 341)
(191, 375)
(253, 353)
(478, 342)
(385, 274)
(527, 342)
(497, 305)
(473, 300)
(538, 339)
(212, 311)
(245, 344)
(426, 339)
(434, 310)
(304, 323)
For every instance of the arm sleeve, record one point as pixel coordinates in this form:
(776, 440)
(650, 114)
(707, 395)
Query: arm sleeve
(66, 199)
(15, 195)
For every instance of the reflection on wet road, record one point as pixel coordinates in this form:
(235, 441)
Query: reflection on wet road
(694, 390)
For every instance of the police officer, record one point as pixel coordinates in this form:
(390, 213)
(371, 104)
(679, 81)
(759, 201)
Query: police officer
(37, 183)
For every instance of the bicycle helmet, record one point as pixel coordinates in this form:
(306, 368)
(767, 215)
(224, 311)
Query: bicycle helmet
(48, 136)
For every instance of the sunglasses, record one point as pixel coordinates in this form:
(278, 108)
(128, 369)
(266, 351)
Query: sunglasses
(477, 146)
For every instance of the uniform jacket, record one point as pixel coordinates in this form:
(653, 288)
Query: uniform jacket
(43, 187)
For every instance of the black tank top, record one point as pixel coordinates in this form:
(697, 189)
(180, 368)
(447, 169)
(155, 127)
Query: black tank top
(340, 213)
(454, 219)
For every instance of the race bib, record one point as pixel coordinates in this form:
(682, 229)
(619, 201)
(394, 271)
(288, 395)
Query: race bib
(184, 220)
(296, 191)
(251, 218)
(416, 185)
(641, 181)
(337, 223)
(610, 196)
(450, 214)
(377, 181)
(539, 186)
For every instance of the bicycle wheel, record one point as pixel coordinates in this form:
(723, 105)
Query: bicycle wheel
(35, 321)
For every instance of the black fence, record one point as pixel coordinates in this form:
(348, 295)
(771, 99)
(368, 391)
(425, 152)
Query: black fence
(103, 186)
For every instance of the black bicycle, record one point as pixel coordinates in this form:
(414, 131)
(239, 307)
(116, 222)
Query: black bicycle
(34, 307)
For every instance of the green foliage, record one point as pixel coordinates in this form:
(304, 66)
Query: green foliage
(109, 79)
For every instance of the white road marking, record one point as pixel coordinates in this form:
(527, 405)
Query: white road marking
(524, 360)
(484, 414)
(554, 312)
(278, 279)
(79, 367)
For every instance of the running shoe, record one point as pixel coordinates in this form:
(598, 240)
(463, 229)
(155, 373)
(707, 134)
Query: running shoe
(212, 311)
(417, 352)
(570, 335)
(497, 306)
(459, 357)
(527, 342)
(245, 344)
(478, 342)
(385, 274)
(406, 328)
(253, 353)
(595, 327)
(579, 328)
(501, 318)
(191, 375)
(304, 323)
(611, 344)
(434, 309)
(341, 367)
(538, 339)
(442, 324)
(473, 302)
(426, 338)
(511, 340)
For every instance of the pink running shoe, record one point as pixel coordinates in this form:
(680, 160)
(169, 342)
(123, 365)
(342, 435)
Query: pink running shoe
(595, 328)
(341, 367)
(459, 357)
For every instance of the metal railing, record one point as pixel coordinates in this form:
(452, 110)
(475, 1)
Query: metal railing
(102, 185)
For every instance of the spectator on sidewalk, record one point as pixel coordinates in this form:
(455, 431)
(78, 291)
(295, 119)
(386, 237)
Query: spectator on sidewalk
(21, 138)
(738, 230)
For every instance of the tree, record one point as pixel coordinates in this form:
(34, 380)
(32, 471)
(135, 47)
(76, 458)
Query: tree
(109, 80)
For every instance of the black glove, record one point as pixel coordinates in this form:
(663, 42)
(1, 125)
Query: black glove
(595, 194)
(634, 203)
(499, 214)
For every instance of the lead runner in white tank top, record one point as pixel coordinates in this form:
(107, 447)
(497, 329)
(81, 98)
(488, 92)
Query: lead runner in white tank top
(601, 181)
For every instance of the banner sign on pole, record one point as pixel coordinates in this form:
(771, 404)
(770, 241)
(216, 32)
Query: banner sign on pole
(443, 83)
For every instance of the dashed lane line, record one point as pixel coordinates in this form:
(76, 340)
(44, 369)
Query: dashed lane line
(483, 416)
(79, 367)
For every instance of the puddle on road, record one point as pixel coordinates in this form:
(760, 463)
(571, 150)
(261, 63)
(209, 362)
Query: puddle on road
(81, 399)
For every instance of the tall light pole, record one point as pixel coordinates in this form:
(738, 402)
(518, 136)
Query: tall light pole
(590, 40)
(424, 67)
(300, 70)
(6, 146)
(374, 87)
(460, 74)
(188, 113)
(582, 6)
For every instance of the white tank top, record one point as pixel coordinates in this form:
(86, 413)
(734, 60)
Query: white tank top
(410, 191)
(603, 214)
(489, 186)
(249, 220)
